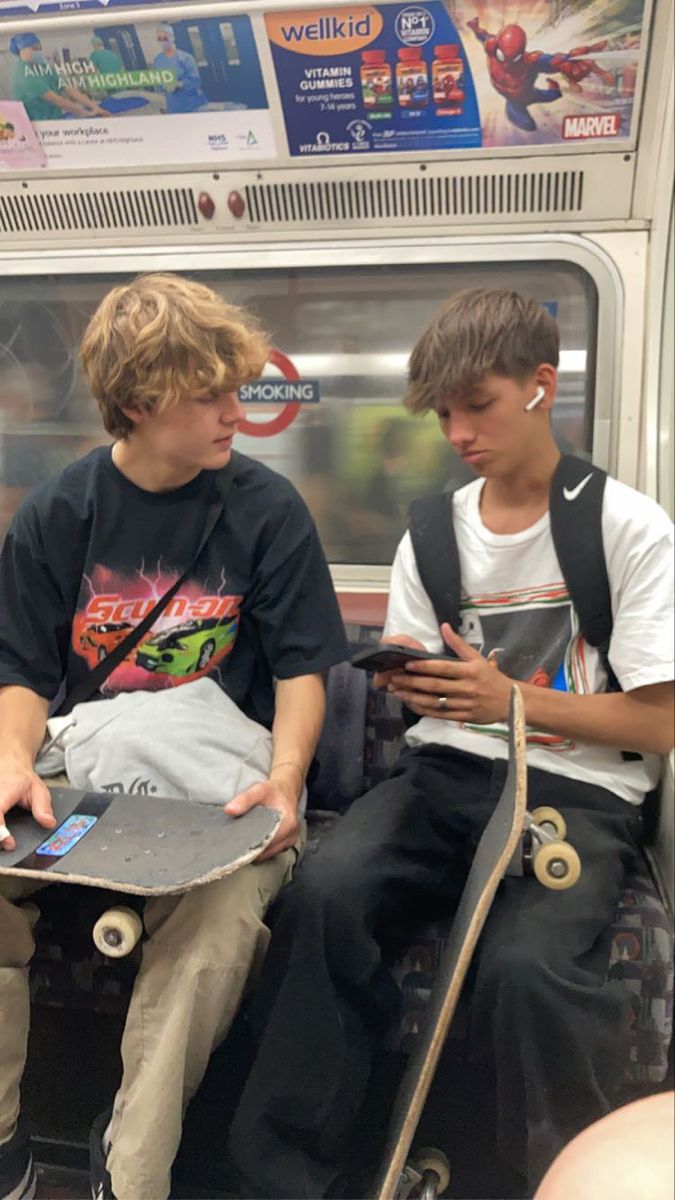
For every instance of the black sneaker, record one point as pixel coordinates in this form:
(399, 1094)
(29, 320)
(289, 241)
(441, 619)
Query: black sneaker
(99, 1175)
(17, 1173)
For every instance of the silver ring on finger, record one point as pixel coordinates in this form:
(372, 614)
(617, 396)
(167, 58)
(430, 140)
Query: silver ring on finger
(442, 703)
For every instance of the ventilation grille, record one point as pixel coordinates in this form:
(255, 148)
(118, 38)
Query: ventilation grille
(52, 212)
(338, 201)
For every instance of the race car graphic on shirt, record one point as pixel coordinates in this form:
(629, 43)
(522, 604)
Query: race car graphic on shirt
(193, 635)
(98, 640)
(187, 648)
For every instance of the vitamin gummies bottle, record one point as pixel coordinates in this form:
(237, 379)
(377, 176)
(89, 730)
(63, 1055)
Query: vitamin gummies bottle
(447, 74)
(376, 80)
(412, 78)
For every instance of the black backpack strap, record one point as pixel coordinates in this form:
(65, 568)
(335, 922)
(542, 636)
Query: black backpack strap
(432, 532)
(575, 506)
(577, 490)
(92, 682)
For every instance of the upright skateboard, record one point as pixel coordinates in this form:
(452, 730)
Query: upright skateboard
(141, 845)
(513, 841)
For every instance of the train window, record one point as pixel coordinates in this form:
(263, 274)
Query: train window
(356, 456)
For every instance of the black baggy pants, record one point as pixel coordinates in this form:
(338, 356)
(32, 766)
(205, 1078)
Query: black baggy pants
(542, 1012)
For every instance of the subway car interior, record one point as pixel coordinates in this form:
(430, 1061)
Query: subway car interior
(340, 170)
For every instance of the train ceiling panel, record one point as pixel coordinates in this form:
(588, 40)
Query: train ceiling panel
(244, 205)
(428, 198)
(97, 210)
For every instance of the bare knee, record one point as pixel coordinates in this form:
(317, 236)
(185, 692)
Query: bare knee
(627, 1154)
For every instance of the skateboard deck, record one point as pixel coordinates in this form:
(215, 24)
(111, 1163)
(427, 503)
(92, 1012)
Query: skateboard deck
(142, 845)
(493, 855)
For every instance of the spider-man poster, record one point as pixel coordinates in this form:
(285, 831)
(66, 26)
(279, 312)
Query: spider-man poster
(552, 70)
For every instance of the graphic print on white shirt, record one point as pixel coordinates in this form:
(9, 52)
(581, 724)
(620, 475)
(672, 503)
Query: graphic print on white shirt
(529, 634)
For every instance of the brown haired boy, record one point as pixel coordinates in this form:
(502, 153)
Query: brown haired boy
(543, 1016)
(164, 358)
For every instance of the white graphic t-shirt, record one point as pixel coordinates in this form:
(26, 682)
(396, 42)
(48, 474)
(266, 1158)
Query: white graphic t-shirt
(516, 611)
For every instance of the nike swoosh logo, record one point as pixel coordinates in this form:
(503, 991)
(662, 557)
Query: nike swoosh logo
(572, 493)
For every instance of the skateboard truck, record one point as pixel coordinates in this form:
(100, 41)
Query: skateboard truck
(426, 1176)
(544, 851)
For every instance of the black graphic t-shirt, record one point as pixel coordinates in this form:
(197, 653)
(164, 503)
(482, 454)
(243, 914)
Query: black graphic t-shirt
(90, 553)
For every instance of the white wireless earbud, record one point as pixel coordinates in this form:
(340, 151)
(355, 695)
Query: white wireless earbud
(536, 399)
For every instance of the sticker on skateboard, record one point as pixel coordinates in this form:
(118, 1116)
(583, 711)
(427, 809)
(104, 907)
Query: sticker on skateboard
(67, 836)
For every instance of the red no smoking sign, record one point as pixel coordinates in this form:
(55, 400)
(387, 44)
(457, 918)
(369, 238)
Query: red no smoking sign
(291, 391)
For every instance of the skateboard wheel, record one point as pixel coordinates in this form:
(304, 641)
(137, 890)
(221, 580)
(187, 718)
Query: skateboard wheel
(557, 865)
(117, 932)
(429, 1163)
(550, 816)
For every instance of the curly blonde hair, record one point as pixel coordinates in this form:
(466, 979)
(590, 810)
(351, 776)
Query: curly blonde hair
(479, 332)
(153, 342)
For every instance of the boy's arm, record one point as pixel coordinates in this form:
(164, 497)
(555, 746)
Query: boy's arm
(299, 708)
(641, 720)
(36, 617)
(476, 692)
(294, 607)
(23, 717)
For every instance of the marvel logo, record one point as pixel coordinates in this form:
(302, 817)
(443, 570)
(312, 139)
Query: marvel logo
(592, 125)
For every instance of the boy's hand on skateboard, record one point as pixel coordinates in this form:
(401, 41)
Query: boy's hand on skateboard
(382, 679)
(20, 787)
(279, 793)
(472, 689)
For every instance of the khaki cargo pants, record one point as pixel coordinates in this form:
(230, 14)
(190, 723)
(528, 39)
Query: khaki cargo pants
(201, 948)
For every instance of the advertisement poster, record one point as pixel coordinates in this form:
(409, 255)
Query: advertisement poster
(458, 74)
(152, 93)
(19, 148)
(10, 8)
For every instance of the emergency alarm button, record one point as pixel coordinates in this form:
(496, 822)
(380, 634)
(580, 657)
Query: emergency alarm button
(206, 206)
(236, 205)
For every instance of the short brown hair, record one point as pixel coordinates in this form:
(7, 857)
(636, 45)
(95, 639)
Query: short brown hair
(155, 340)
(479, 332)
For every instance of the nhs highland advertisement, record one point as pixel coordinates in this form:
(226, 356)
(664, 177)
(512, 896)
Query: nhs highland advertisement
(138, 93)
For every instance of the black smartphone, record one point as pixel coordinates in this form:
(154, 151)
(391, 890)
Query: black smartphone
(388, 656)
